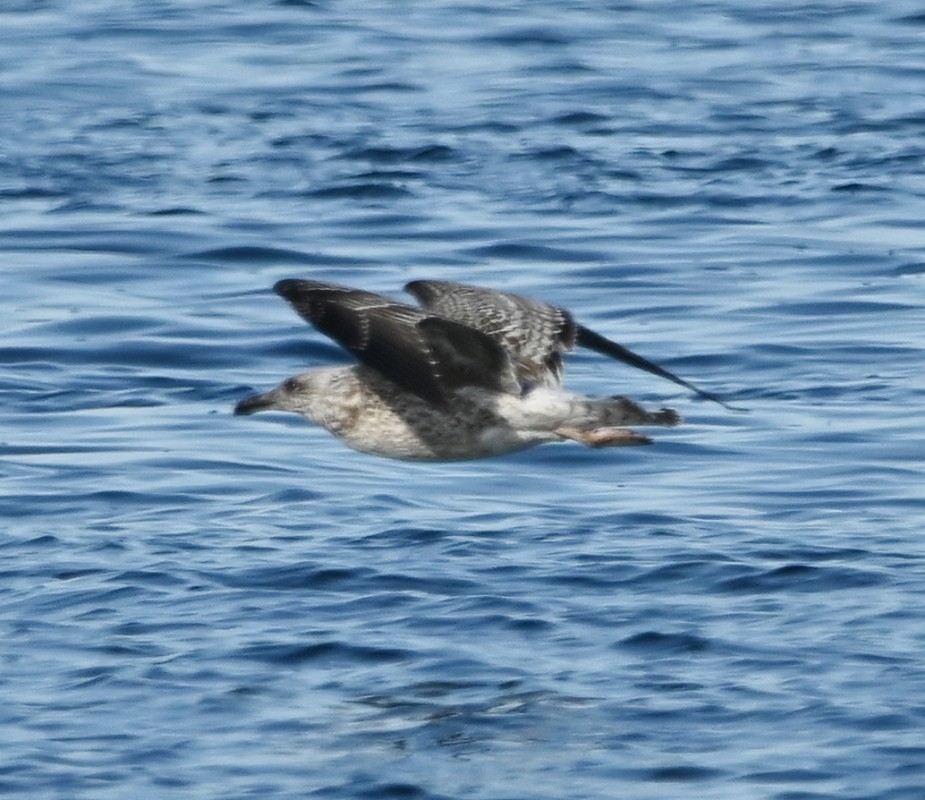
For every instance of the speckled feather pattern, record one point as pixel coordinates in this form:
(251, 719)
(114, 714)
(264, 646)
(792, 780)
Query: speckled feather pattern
(535, 334)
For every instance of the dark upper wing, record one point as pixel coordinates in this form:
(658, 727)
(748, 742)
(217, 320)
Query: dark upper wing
(425, 354)
(534, 334)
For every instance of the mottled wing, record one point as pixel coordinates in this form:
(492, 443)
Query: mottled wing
(423, 353)
(534, 334)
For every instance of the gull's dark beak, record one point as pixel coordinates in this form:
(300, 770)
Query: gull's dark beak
(254, 403)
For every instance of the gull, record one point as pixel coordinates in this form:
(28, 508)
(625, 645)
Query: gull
(470, 373)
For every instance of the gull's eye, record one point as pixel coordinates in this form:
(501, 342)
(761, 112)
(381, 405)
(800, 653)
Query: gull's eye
(291, 385)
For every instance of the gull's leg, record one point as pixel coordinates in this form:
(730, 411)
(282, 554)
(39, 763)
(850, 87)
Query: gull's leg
(604, 437)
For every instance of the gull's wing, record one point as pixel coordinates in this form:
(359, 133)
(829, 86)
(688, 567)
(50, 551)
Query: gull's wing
(604, 346)
(422, 352)
(535, 334)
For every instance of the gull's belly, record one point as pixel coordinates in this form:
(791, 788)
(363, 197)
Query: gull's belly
(466, 427)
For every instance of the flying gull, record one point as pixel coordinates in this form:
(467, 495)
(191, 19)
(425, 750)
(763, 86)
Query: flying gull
(471, 373)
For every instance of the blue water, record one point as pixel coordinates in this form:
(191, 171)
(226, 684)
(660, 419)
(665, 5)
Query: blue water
(202, 606)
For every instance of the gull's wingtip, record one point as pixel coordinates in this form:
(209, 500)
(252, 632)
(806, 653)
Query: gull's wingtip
(287, 287)
(714, 398)
(601, 344)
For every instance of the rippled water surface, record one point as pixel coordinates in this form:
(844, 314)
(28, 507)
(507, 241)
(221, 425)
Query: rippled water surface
(204, 606)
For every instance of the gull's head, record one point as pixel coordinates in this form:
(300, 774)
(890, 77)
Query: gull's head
(294, 394)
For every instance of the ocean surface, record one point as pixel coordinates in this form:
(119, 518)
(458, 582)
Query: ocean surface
(205, 606)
